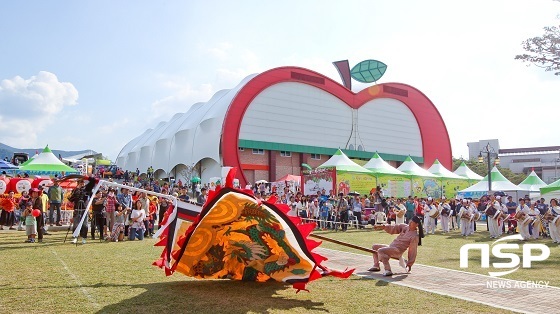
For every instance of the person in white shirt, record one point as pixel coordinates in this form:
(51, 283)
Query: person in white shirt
(137, 217)
(293, 207)
(445, 210)
(535, 225)
(400, 209)
(554, 226)
(492, 209)
(314, 209)
(302, 208)
(502, 222)
(472, 222)
(523, 223)
(367, 201)
(465, 214)
(431, 222)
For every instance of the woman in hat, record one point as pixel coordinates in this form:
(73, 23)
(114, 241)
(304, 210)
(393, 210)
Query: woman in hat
(409, 237)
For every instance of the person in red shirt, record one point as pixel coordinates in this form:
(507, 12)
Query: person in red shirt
(419, 208)
(7, 207)
(152, 212)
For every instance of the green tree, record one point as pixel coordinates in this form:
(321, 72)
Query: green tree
(543, 51)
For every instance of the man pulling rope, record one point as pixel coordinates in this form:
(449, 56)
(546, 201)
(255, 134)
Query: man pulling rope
(410, 237)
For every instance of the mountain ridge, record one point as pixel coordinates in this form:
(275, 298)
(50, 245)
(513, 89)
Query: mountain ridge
(8, 151)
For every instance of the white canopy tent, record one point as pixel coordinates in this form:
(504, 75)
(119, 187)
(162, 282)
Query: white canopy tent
(466, 172)
(341, 162)
(411, 168)
(439, 170)
(499, 183)
(380, 167)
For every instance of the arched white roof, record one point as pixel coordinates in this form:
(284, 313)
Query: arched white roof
(123, 157)
(185, 139)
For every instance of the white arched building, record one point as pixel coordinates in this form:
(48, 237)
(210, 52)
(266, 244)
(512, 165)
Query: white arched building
(271, 123)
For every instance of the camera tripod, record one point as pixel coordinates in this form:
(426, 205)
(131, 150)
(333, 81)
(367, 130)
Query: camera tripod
(94, 227)
(80, 211)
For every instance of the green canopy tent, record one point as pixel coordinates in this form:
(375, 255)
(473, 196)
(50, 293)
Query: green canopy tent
(387, 176)
(338, 174)
(533, 184)
(450, 182)
(499, 183)
(551, 191)
(380, 167)
(46, 164)
(29, 160)
(343, 164)
(423, 183)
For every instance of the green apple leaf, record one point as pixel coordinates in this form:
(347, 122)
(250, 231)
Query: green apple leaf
(368, 71)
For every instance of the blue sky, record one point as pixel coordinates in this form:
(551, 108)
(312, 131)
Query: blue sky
(95, 74)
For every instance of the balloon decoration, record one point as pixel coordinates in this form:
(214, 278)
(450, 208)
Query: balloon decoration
(4, 184)
(41, 183)
(18, 185)
(36, 213)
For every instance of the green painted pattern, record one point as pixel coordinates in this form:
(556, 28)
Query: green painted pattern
(321, 150)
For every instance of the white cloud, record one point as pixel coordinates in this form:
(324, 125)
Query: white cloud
(182, 97)
(221, 51)
(107, 129)
(29, 106)
(182, 93)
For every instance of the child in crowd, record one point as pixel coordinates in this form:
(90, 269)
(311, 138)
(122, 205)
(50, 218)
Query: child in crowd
(152, 215)
(30, 223)
(117, 234)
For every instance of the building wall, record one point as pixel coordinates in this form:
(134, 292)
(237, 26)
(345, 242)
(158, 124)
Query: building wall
(248, 158)
(250, 175)
(546, 165)
(476, 147)
(314, 163)
(255, 165)
(287, 165)
(261, 175)
(292, 106)
(545, 161)
(300, 114)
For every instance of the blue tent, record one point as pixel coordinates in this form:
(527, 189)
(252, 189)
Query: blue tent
(8, 167)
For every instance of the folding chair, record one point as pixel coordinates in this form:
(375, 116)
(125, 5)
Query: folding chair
(380, 218)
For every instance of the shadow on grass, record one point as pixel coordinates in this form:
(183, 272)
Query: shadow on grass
(21, 243)
(382, 281)
(209, 296)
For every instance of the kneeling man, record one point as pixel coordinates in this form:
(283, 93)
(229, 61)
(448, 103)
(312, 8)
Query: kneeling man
(409, 237)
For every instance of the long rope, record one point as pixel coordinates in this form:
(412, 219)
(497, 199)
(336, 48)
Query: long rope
(357, 247)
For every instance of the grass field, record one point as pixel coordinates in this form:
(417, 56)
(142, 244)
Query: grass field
(53, 277)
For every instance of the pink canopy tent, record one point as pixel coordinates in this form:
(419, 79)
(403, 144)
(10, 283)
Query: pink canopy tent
(290, 177)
